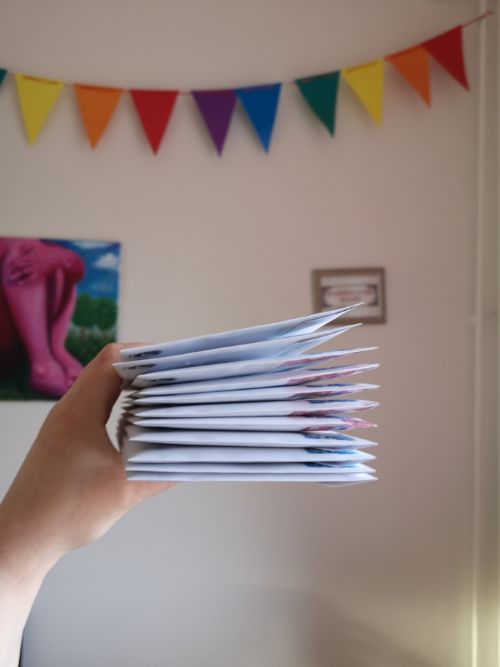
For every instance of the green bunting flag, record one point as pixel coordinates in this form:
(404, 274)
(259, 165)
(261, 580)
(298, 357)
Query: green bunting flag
(320, 93)
(3, 72)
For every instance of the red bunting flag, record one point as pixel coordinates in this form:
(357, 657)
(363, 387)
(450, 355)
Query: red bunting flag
(413, 65)
(154, 108)
(447, 50)
(96, 105)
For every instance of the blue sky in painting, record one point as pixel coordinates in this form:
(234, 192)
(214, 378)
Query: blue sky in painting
(102, 266)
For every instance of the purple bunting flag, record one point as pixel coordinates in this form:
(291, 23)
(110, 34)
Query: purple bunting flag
(261, 104)
(216, 108)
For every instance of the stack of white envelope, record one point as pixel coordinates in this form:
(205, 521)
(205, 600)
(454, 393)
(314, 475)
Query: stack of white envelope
(247, 405)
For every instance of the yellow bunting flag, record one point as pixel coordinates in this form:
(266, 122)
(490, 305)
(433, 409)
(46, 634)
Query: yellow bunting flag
(97, 105)
(367, 82)
(36, 99)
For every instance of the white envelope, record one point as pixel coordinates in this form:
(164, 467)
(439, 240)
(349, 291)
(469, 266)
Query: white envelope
(298, 325)
(255, 423)
(247, 468)
(145, 452)
(267, 349)
(295, 392)
(238, 368)
(256, 409)
(277, 379)
(245, 438)
(250, 477)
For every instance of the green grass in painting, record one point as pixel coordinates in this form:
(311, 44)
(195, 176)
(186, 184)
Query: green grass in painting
(83, 344)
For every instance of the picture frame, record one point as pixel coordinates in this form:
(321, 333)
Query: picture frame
(335, 288)
(58, 307)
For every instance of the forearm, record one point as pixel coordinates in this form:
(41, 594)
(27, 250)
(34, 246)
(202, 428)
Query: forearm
(16, 600)
(23, 566)
(69, 491)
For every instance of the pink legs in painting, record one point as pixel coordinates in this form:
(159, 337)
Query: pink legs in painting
(38, 282)
(63, 308)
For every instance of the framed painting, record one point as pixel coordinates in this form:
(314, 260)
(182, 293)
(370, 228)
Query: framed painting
(58, 308)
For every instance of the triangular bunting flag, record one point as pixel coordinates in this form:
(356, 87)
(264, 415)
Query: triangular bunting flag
(96, 106)
(413, 65)
(216, 108)
(154, 108)
(261, 104)
(3, 73)
(447, 50)
(320, 93)
(367, 82)
(36, 99)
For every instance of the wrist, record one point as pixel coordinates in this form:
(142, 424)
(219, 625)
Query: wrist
(22, 570)
(25, 556)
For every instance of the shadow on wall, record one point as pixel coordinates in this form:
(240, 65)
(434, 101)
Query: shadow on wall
(215, 624)
(300, 628)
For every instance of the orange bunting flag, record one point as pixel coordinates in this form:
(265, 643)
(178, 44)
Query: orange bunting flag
(413, 65)
(447, 50)
(367, 82)
(96, 105)
(36, 99)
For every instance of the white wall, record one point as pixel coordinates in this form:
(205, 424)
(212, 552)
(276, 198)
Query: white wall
(244, 574)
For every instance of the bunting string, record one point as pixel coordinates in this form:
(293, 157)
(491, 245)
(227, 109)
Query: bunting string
(154, 107)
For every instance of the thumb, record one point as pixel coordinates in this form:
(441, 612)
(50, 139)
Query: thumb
(98, 386)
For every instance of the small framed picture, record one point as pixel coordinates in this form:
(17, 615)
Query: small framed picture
(335, 288)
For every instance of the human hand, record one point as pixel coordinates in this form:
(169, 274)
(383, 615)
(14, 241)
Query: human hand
(69, 491)
(72, 487)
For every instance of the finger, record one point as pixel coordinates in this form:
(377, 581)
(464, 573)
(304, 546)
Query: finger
(98, 386)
